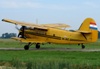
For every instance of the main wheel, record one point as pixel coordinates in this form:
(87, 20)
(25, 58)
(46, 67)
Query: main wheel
(83, 46)
(26, 47)
(37, 46)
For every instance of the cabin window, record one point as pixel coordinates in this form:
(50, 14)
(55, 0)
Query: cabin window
(67, 39)
(62, 38)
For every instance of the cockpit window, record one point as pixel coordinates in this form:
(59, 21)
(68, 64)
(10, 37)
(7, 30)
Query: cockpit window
(24, 28)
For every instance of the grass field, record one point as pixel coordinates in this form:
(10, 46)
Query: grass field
(9, 43)
(43, 59)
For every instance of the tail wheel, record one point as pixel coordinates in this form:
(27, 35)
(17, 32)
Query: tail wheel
(37, 45)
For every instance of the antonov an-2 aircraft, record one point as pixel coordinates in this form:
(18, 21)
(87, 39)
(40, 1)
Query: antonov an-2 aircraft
(55, 33)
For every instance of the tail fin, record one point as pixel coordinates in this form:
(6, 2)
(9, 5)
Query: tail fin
(90, 25)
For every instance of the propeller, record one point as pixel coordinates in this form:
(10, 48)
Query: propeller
(23, 29)
(21, 33)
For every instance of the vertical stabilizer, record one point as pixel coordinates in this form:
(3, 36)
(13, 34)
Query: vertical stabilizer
(90, 25)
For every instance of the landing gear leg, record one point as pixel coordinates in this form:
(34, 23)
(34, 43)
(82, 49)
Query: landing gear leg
(83, 46)
(26, 47)
(37, 45)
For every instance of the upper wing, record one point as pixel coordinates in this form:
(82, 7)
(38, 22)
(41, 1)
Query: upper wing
(57, 25)
(43, 26)
(23, 23)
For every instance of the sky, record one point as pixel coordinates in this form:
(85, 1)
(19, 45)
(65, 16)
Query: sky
(71, 12)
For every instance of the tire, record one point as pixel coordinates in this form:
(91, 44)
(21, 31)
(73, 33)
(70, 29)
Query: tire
(37, 46)
(83, 46)
(26, 47)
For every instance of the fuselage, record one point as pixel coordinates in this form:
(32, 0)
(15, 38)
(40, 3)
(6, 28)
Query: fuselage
(53, 35)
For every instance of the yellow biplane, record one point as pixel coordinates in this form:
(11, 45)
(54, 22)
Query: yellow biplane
(55, 33)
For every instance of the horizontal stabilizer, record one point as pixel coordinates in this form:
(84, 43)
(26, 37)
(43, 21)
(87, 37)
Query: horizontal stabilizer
(84, 32)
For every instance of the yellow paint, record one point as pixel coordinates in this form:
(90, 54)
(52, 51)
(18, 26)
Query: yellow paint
(49, 34)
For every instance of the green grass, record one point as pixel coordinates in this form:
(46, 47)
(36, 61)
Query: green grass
(40, 59)
(9, 43)
(50, 58)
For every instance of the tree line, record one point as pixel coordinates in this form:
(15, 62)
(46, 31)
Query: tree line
(8, 35)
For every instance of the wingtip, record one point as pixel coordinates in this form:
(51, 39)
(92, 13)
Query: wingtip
(2, 19)
(5, 20)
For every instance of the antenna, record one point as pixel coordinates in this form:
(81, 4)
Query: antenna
(36, 21)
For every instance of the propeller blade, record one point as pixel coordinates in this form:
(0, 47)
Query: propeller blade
(21, 32)
(23, 29)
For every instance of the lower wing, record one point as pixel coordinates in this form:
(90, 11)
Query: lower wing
(28, 40)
